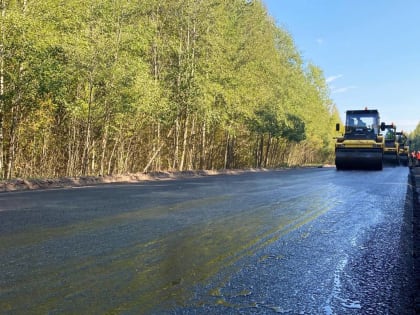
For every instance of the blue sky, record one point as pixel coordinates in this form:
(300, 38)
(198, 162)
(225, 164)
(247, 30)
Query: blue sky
(369, 51)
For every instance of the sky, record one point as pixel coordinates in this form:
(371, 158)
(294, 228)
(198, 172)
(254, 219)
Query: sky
(368, 50)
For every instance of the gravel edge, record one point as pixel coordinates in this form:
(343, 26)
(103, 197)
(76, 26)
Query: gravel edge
(19, 184)
(415, 182)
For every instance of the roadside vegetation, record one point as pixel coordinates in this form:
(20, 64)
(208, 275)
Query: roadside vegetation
(415, 139)
(112, 87)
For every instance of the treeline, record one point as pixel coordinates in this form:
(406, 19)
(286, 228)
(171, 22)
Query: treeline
(415, 139)
(116, 86)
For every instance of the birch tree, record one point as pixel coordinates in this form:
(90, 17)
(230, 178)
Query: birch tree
(2, 102)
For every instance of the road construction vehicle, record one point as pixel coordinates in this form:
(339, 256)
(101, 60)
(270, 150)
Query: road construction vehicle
(361, 145)
(391, 147)
(403, 147)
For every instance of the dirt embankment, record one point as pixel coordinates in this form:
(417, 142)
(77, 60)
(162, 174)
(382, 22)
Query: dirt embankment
(66, 182)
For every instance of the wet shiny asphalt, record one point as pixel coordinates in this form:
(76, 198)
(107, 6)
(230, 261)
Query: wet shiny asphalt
(302, 241)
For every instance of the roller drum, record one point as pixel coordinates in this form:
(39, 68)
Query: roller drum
(359, 158)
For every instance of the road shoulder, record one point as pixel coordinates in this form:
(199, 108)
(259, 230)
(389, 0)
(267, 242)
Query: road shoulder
(19, 184)
(415, 181)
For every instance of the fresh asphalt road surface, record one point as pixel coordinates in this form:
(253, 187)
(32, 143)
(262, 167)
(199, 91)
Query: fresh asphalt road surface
(300, 241)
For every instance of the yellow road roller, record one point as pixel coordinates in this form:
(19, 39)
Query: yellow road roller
(361, 145)
(391, 147)
(403, 147)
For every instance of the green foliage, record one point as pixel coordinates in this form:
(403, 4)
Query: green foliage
(293, 128)
(107, 86)
(415, 139)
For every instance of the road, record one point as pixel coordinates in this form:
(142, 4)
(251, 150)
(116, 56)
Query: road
(300, 241)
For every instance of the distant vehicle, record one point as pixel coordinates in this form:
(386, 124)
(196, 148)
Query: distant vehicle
(391, 148)
(361, 146)
(403, 147)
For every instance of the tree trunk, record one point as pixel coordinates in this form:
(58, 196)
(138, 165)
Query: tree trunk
(267, 151)
(203, 146)
(229, 152)
(11, 152)
(184, 144)
(260, 150)
(176, 151)
(2, 50)
(110, 168)
(72, 148)
(192, 161)
(86, 151)
(104, 145)
(158, 162)
(93, 164)
(126, 168)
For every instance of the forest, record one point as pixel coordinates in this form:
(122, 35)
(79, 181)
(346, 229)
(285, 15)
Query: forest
(117, 86)
(414, 139)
